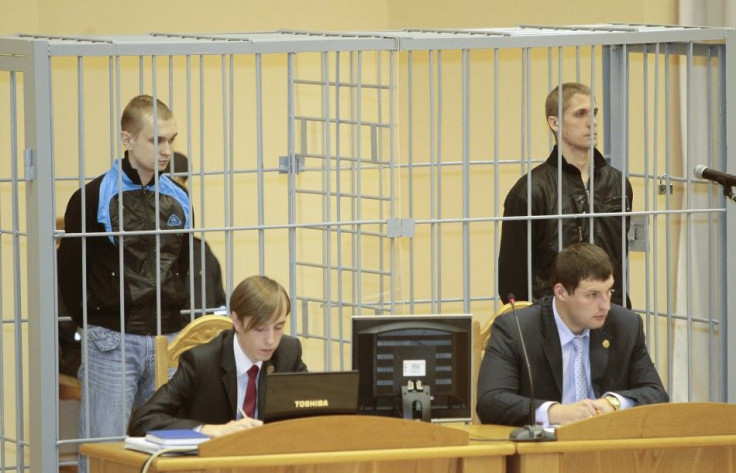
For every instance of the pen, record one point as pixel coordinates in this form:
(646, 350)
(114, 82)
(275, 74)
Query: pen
(242, 413)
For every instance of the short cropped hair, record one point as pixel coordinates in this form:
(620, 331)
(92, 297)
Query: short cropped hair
(578, 262)
(260, 298)
(140, 108)
(552, 104)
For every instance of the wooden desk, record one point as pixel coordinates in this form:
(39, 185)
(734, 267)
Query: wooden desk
(484, 455)
(683, 437)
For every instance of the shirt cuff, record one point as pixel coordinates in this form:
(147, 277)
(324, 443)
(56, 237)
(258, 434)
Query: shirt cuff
(625, 402)
(541, 415)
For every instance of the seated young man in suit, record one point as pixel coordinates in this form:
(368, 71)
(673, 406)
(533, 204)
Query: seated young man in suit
(587, 355)
(219, 381)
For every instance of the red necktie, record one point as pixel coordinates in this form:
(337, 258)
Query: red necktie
(249, 402)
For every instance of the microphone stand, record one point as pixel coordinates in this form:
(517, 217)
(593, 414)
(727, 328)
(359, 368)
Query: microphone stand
(531, 432)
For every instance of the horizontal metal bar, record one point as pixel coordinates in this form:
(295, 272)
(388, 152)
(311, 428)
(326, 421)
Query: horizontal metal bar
(342, 268)
(342, 121)
(349, 85)
(344, 194)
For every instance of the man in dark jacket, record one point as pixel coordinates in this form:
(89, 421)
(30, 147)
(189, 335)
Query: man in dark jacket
(582, 185)
(108, 290)
(210, 273)
(587, 356)
(216, 383)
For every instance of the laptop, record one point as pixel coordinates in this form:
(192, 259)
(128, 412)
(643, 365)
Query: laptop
(304, 394)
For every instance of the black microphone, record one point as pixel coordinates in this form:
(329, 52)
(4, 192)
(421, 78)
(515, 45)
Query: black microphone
(531, 432)
(722, 178)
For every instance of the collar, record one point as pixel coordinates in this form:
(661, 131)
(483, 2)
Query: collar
(132, 173)
(598, 161)
(563, 330)
(242, 362)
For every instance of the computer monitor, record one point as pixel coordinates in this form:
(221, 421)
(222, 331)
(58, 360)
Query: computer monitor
(414, 366)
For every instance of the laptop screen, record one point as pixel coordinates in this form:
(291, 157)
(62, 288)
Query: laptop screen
(290, 395)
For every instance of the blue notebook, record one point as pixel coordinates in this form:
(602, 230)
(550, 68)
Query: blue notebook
(176, 437)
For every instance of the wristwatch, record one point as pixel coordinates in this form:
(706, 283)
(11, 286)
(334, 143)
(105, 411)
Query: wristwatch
(613, 402)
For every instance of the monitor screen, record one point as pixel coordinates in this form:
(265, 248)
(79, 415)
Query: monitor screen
(401, 358)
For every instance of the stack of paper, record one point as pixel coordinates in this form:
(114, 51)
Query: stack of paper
(176, 437)
(175, 441)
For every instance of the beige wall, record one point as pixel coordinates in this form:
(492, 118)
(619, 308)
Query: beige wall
(500, 13)
(71, 17)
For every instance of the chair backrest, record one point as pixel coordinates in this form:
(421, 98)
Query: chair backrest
(481, 337)
(485, 332)
(199, 331)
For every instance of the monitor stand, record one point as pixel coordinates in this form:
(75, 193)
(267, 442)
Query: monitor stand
(417, 402)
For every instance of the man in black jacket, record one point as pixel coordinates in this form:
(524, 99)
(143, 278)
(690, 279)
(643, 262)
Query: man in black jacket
(210, 273)
(134, 283)
(576, 130)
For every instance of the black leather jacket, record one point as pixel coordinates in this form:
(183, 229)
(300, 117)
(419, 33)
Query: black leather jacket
(608, 232)
(140, 257)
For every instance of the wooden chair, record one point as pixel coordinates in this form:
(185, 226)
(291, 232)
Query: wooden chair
(199, 331)
(480, 340)
(69, 387)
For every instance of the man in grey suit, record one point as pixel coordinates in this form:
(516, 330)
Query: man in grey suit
(587, 355)
(213, 382)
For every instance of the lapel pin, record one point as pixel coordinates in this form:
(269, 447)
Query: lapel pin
(269, 369)
(606, 343)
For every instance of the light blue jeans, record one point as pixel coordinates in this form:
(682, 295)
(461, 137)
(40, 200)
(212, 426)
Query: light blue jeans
(115, 386)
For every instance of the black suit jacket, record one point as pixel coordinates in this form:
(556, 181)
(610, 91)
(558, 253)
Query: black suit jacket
(204, 389)
(619, 362)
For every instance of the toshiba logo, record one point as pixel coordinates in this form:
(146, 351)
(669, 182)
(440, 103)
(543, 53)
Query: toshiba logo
(302, 403)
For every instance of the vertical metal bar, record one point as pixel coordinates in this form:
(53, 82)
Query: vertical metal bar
(17, 309)
(259, 165)
(327, 213)
(338, 197)
(645, 143)
(291, 187)
(560, 131)
(645, 117)
(688, 217)
(114, 141)
(668, 219)
(141, 87)
(466, 180)
(190, 158)
(40, 279)
(496, 171)
(338, 200)
(432, 157)
(655, 207)
(550, 86)
(377, 153)
(13, 118)
(202, 187)
(437, 250)
(591, 151)
(624, 168)
(527, 157)
(727, 134)
(359, 182)
(157, 202)
(712, 257)
(229, 180)
(410, 167)
(227, 160)
(392, 171)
